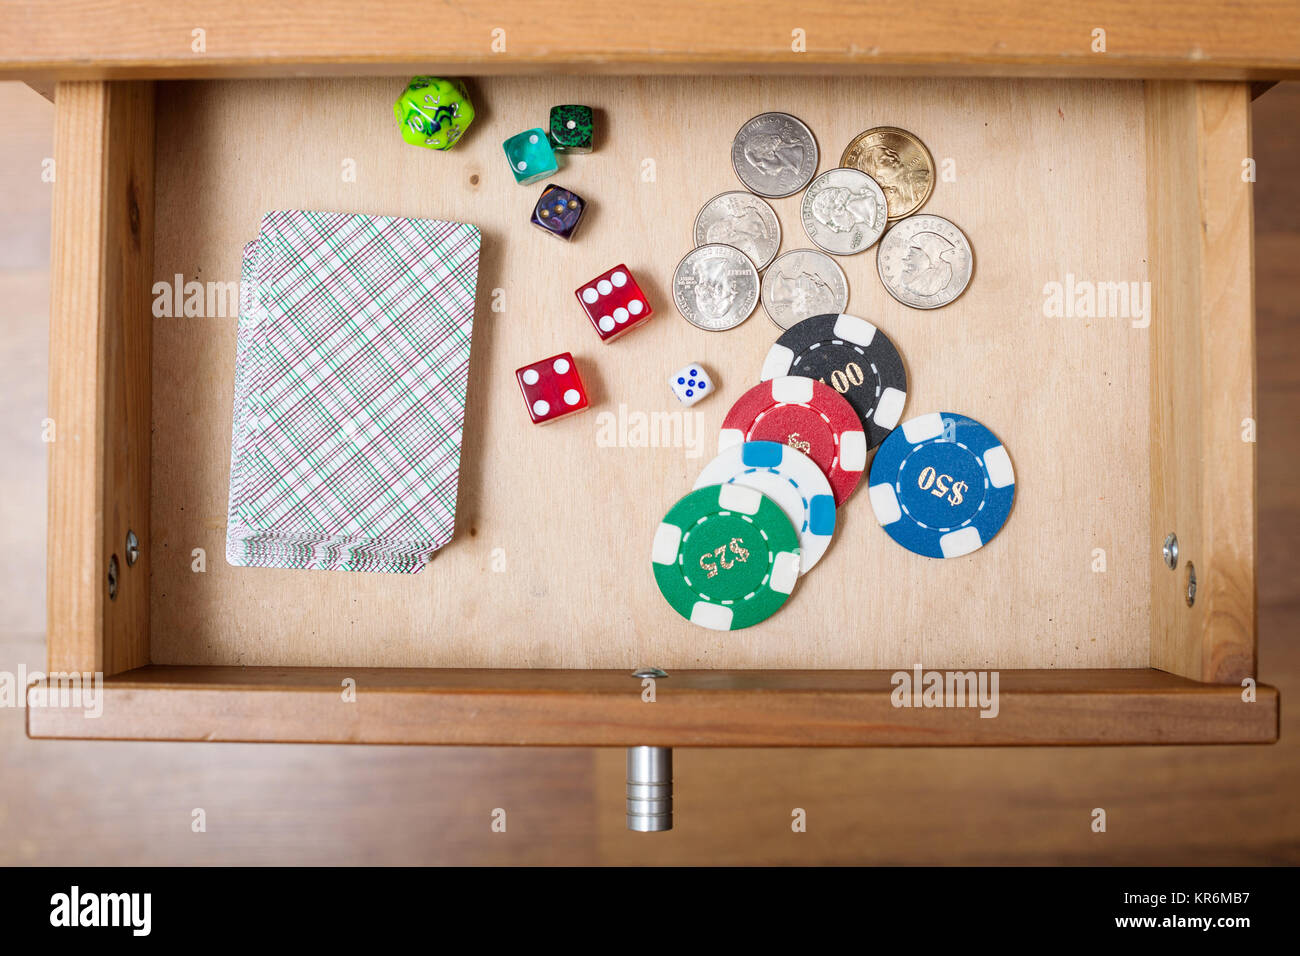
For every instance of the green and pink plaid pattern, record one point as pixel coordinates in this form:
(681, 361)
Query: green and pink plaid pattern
(351, 372)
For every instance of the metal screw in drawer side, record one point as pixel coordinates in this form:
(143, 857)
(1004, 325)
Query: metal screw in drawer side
(649, 789)
(1170, 550)
(132, 548)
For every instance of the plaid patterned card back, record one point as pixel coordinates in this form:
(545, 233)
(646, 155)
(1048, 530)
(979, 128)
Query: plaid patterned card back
(352, 369)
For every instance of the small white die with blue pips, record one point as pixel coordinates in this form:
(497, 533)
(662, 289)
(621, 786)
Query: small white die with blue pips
(691, 383)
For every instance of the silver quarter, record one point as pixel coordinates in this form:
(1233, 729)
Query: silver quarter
(715, 287)
(742, 220)
(803, 283)
(774, 155)
(844, 211)
(925, 261)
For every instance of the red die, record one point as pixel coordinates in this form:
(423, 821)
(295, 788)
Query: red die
(552, 388)
(614, 303)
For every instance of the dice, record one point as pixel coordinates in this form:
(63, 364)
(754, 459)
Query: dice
(558, 211)
(614, 303)
(531, 157)
(691, 383)
(552, 388)
(571, 129)
(433, 112)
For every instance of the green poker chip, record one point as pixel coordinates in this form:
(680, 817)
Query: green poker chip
(726, 557)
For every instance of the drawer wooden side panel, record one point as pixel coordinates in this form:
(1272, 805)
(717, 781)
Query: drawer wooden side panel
(1202, 383)
(100, 367)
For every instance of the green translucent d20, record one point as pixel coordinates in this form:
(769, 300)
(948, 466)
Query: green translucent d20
(433, 112)
(571, 129)
(531, 157)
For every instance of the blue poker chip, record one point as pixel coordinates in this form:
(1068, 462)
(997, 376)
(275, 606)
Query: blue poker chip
(942, 485)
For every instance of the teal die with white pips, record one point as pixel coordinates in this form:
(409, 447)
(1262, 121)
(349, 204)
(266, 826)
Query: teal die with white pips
(530, 155)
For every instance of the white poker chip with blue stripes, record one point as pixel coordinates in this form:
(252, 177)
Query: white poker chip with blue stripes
(788, 477)
(942, 485)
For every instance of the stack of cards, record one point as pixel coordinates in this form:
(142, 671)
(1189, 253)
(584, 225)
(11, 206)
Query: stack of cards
(350, 379)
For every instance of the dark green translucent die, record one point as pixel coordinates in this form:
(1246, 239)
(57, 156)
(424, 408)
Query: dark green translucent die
(571, 129)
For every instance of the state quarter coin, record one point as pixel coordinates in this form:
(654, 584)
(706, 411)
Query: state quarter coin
(715, 287)
(774, 155)
(742, 220)
(802, 283)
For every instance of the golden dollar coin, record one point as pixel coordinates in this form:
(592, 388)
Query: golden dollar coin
(899, 162)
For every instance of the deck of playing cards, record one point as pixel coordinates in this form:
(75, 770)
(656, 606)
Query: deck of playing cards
(351, 372)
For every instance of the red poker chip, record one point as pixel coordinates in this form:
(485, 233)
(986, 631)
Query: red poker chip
(809, 416)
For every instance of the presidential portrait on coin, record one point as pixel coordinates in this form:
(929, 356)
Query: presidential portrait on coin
(715, 287)
(800, 292)
(716, 290)
(745, 231)
(841, 209)
(773, 154)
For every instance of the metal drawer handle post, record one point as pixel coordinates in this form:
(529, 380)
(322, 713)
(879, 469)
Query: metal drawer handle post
(649, 789)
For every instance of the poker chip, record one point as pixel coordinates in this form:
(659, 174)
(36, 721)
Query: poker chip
(726, 557)
(852, 356)
(942, 485)
(788, 477)
(803, 414)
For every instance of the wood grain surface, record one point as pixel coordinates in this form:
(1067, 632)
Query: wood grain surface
(1202, 424)
(690, 708)
(315, 804)
(548, 568)
(1202, 39)
(100, 341)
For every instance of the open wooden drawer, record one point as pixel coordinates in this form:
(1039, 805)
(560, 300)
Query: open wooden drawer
(526, 629)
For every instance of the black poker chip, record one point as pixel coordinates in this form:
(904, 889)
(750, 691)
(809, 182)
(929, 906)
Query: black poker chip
(853, 357)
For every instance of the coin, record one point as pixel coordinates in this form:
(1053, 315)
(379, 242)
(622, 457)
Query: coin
(774, 155)
(715, 287)
(803, 283)
(899, 163)
(843, 211)
(742, 220)
(925, 261)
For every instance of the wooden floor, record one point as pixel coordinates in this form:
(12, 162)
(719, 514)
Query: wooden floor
(113, 803)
